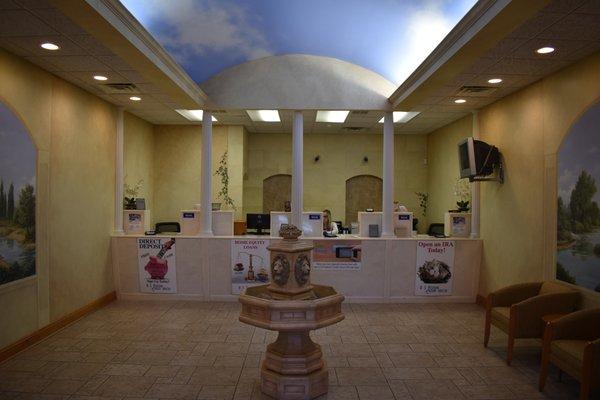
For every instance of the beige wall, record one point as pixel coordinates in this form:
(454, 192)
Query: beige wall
(139, 156)
(74, 133)
(518, 218)
(443, 166)
(177, 167)
(325, 180)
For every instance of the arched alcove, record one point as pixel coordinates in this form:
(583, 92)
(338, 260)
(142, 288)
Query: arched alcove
(362, 192)
(18, 158)
(578, 203)
(277, 189)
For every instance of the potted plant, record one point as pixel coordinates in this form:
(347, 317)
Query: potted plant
(131, 193)
(462, 191)
(223, 172)
(423, 199)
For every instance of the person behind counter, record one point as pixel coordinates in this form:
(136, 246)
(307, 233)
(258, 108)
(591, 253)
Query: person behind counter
(329, 227)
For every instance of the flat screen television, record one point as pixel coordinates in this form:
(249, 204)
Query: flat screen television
(477, 158)
(258, 222)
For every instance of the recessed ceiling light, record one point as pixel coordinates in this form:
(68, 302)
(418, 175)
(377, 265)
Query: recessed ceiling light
(494, 80)
(460, 101)
(49, 46)
(100, 78)
(402, 116)
(332, 116)
(264, 115)
(545, 50)
(135, 98)
(194, 115)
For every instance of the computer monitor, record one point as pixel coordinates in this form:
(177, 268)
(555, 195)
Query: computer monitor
(258, 222)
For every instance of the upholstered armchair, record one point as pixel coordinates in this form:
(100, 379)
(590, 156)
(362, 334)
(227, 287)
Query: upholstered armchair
(572, 343)
(518, 309)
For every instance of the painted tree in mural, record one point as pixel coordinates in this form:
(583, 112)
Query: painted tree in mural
(10, 203)
(2, 201)
(585, 214)
(25, 215)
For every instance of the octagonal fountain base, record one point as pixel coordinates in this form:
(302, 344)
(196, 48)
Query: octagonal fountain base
(293, 368)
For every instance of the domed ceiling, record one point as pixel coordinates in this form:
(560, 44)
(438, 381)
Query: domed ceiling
(390, 37)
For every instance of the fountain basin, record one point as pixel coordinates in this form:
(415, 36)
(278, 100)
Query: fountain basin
(324, 309)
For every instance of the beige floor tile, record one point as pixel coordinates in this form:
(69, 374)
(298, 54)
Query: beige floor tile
(220, 376)
(174, 391)
(406, 373)
(487, 392)
(360, 376)
(125, 386)
(26, 385)
(229, 361)
(434, 390)
(363, 362)
(77, 370)
(375, 393)
(64, 386)
(199, 361)
(409, 360)
(501, 375)
(339, 393)
(217, 393)
(152, 357)
(124, 369)
(163, 371)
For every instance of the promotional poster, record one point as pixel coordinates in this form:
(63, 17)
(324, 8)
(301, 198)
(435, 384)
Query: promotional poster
(341, 255)
(157, 267)
(250, 264)
(435, 267)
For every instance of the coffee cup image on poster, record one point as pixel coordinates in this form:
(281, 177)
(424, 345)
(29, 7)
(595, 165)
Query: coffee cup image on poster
(250, 264)
(435, 268)
(156, 265)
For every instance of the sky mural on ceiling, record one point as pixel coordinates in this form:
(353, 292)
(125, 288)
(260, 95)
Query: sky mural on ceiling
(390, 37)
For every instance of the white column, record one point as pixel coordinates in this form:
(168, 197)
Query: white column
(297, 166)
(475, 189)
(387, 225)
(206, 182)
(119, 167)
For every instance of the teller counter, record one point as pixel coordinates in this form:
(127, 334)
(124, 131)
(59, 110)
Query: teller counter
(387, 271)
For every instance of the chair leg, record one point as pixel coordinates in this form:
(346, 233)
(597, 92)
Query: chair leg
(584, 393)
(510, 348)
(544, 367)
(488, 323)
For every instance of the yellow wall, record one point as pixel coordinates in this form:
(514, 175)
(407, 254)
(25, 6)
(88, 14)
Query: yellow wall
(518, 218)
(177, 167)
(74, 133)
(443, 166)
(138, 142)
(325, 180)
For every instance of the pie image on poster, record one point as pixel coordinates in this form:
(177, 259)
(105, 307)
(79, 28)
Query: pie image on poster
(434, 271)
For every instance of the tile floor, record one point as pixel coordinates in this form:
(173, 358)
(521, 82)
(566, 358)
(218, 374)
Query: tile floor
(195, 350)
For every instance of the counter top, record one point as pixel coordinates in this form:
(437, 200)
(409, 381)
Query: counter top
(267, 237)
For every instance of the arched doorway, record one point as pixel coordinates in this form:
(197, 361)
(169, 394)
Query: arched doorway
(362, 192)
(277, 189)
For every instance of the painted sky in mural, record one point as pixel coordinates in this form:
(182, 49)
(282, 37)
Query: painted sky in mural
(580, 151)
(16, 151)
(390, 37)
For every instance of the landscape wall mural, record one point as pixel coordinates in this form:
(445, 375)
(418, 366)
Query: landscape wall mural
(17, 199)
(578, 223)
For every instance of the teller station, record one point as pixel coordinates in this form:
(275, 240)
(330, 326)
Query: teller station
(420, 250)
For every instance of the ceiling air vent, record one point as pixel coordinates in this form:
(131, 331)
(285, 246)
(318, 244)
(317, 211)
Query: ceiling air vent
(354, 128)
(476, 91)
(219, 111)
(113, 88)
(360, 112)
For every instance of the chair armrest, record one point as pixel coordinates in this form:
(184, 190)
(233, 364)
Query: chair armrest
(580, 325)
(528, 313)
(510, 295)
(593, 350)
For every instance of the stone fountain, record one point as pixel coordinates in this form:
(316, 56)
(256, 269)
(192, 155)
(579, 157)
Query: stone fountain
(293, 368)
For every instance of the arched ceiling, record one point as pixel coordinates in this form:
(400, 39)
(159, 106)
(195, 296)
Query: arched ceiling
(299, 81)
(390, 37)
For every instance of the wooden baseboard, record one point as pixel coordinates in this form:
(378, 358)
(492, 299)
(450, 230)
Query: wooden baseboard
(480, 300)
(49, 329)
